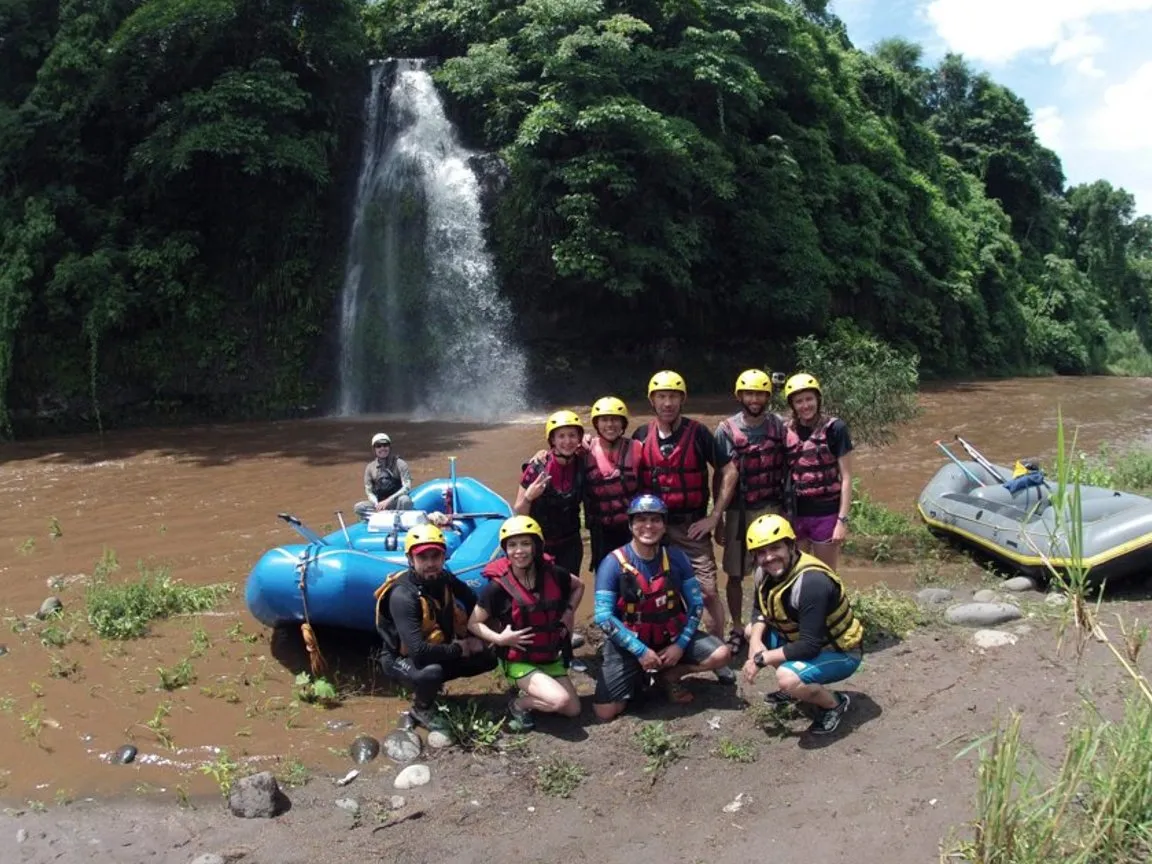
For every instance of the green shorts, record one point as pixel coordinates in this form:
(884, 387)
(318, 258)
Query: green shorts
(516, 671)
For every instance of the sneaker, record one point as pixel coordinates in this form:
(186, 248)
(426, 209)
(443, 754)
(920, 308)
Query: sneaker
(779, 699)
(578, 665)
(828, 721)
(725, 675)
(578, 639)
(520, 719)
(424, 715)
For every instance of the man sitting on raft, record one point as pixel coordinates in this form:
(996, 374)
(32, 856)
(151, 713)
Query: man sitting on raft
(387, 480)
(422, 616)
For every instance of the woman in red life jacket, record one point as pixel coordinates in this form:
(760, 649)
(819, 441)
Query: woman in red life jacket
(552, 489)
(610, 478)
(820, 470)
(535, 601)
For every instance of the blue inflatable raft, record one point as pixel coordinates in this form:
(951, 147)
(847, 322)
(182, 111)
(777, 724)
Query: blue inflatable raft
(337, 575)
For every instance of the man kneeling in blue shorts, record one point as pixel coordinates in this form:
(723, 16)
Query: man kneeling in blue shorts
(804, 627)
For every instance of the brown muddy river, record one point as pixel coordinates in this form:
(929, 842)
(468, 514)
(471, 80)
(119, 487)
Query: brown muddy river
(203, 501)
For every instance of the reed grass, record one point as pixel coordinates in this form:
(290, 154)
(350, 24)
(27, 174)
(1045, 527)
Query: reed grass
(1097, 805)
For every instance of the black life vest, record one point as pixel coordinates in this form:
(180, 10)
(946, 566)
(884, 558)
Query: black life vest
(652, 609)
(610, 485)
(559, 512)
(679, 478)
(762, 465)
(386, 482)
(815, 471)
(540, 610)
(435, 617)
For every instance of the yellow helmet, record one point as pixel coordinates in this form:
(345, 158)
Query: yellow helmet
(756, 380)
(424, 535)
(767, 530)
(518, 525)
(800, 381)
(561, 419)
(610, 406)
(667, 380)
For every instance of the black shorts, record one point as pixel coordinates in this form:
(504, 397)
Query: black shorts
(605, 541)
(621, 674)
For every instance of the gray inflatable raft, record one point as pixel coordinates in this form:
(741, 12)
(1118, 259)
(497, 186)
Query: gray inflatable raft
(1016, 527)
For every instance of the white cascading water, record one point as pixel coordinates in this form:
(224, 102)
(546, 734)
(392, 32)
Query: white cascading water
(424, 329)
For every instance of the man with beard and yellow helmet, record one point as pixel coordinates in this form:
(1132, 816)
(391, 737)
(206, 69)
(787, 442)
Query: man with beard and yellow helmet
(804, 627)
(750, 450)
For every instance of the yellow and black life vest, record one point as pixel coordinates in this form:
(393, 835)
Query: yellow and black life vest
(431, 612)
(845, 632)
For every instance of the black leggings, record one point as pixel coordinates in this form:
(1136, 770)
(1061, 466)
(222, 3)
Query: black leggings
(427, 680)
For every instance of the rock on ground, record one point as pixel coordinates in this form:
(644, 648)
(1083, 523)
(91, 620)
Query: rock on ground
(412, 776)
(1019, 583)
(981, 614)
(257, 797)
(993, 638)
(985, 595)
(934, 596)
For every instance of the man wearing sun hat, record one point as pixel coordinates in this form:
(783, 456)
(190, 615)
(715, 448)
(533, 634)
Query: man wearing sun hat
(387, 480)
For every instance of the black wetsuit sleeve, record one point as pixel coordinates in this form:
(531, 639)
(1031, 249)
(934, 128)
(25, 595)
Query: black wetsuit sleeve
(818, 593)
(462, 592)
(404, 604)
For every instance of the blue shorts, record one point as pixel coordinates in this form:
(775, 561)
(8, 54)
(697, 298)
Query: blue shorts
(827, 667)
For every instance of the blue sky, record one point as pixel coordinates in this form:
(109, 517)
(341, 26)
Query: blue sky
(1083, 66)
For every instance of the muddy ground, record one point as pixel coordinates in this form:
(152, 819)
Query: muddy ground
(889, 786)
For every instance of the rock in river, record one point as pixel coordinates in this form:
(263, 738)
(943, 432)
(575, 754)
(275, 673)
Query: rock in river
(364, 749)
(124, 755)
(403, 745)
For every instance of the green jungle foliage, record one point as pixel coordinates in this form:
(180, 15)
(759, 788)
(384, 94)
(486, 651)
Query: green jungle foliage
(175, 185)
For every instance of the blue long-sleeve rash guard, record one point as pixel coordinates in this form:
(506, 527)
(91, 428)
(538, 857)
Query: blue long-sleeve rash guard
(608, 593)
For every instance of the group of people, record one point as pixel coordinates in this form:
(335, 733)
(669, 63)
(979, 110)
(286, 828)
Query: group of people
(645, 501)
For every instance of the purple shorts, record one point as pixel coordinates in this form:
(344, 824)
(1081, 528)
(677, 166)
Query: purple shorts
(817, 529)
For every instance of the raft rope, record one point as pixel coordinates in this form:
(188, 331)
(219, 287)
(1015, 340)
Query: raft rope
(316, 660)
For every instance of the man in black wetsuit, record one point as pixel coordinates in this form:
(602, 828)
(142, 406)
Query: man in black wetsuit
(422, 615)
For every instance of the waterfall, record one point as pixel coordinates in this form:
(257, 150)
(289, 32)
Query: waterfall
(424, 329)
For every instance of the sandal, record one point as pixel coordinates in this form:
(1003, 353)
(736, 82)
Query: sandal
(736, 641)
(677, 693)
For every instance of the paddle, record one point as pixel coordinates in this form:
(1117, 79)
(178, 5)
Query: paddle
(981, 461)
(960, 464)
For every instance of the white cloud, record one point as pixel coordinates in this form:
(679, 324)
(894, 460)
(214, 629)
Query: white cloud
(996, 31)
(1049, 126)
(1124, 121)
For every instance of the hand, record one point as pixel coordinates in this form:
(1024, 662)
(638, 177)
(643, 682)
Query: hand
(472, 645)
(751, 670)
(381, 505)
(536, 487)
(719, 531)
(540, 457)
(671, 655)
(568, 619)
(701, 527)
(586, 441)
(510, 638)
(650, 662)
(840, 532)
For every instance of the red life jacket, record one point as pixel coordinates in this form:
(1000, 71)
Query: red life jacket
(815, 471)
(679, 478)
(609, 486)
(559, 512)
(762, 465)
(540, 610)
(652, 609)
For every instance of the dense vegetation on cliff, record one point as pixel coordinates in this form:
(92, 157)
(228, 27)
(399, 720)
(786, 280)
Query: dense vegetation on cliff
(174, 187)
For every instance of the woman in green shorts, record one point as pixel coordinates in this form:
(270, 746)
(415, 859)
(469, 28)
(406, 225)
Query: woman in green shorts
(533, 602)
